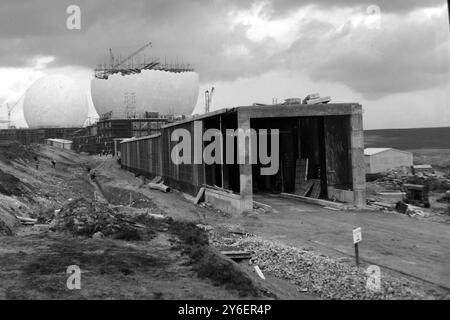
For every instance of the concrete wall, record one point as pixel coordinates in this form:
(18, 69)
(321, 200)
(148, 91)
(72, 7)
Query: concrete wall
(227, 201)
(346, 196)
(386, 160)
(346, 162)
(357, 158)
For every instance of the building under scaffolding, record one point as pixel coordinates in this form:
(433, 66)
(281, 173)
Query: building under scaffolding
(129, 65)
(103, 135)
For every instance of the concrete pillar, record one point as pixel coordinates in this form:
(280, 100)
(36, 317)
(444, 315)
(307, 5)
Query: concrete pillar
(357, 159)
(245, 169)
(161, 143)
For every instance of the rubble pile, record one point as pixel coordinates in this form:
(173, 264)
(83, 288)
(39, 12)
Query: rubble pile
(88, 218)
(324, 276)
(394, 179)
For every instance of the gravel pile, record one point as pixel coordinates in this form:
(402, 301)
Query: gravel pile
(323, 276)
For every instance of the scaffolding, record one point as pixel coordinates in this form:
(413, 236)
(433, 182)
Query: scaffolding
(133, 64)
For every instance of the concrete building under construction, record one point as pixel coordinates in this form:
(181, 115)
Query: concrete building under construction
(104, 134)
(321, 155)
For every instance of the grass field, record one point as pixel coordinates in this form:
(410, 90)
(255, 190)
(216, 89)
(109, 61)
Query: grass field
(419, 138)
(435, 157)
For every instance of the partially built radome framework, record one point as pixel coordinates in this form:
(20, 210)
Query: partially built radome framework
(133, 97)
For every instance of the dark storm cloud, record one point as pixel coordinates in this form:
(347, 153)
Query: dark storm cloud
(198, 31)
(397, 6)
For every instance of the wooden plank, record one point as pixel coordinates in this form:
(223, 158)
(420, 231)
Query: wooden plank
(303, 189)
(316, 189)
(237, 255)
(319, 100)
(301, 172)
(25, 219)
(200, 195)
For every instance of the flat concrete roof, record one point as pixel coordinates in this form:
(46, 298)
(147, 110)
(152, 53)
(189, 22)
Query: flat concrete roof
(140, 138)
(59, 140)
(280, 111)
(373, 151)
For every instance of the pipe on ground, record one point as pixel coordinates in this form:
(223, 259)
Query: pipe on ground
(159, 186)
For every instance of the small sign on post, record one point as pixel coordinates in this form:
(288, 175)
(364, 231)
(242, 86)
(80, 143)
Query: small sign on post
(357, 238)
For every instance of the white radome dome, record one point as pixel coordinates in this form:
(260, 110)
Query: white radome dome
(55, 101)
(153, 90)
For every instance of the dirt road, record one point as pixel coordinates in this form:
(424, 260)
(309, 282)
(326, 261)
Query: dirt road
(394, 242)
(407, 245)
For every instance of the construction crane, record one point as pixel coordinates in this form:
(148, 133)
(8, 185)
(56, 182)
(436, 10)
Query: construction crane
(113, 67)
(131, 55)
(208, 99)
(111, 57)
(10, 109)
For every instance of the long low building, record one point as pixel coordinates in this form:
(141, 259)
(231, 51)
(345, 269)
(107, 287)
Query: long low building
(320, 154)
(30, 136)
(383, 159)
(59, 143)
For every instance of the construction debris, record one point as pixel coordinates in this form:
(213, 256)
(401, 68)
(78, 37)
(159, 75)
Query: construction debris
(417, 194)
(422, 168)
(315, 99)
(262, 207)
(259, 273)
(159, 186)
(237, 255)
(410, 210)
(200, 195)
(156, 179)
(86, 218)
(26, 220)
(324, 276)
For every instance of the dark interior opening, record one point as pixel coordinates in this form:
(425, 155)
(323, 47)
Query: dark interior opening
(300, 138)
(223, 175)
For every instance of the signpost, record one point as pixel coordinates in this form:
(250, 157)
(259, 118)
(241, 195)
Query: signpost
(357, 238)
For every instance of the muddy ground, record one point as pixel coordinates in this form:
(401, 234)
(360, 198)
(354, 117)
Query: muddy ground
(304, 251)
(82, 223)
(412, 253)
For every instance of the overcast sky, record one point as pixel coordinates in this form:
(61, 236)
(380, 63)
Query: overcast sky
(397, 66)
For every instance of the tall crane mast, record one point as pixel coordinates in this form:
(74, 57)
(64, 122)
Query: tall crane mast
(10, 109)
(208, 99)
(111, 57)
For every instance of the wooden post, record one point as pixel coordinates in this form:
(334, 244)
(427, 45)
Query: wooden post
(357, 254)
(357, 238)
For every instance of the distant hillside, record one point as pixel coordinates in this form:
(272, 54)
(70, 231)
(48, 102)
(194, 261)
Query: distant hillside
(421, 138)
